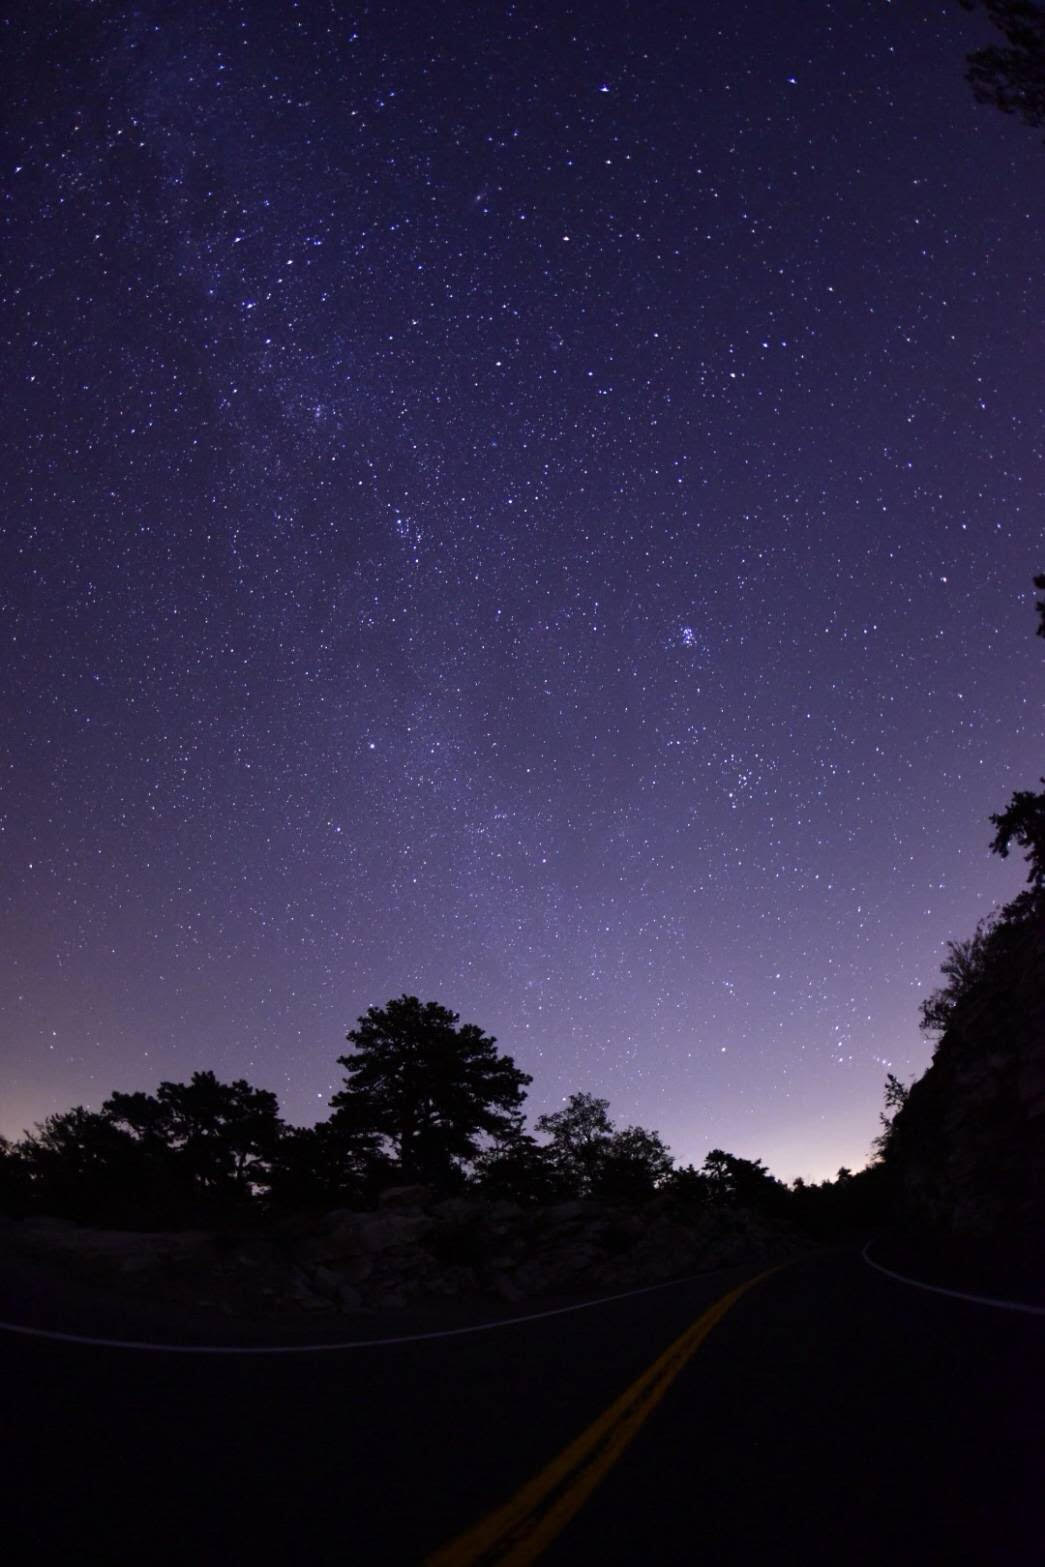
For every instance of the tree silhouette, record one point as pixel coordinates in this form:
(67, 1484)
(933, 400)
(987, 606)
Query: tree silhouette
(742, 1183)
(1023, 822)
(78, 1163)
(326, 1166)
(517, 1169)
(15, 1192)
(896, 1095)
(593, 1158)
(964, 968)
(687, 1186)
(842, 1209)
(579, 1135)
(223, 1134)
(1011, 75)
(633, 1165)
(428, 1088)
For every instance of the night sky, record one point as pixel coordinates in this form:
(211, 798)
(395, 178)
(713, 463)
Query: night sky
(532, 506)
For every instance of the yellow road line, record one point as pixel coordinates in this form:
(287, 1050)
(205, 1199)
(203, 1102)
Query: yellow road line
(516, 1533)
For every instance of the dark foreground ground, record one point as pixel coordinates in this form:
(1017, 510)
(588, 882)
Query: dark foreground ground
(831, 1416)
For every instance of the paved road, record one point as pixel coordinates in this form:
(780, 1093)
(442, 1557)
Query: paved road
(830, 1416)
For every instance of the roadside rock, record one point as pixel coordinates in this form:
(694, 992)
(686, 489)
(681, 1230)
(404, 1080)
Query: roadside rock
(383, 1230)
(344, 1261)
(405, 1197)
(968, 1150)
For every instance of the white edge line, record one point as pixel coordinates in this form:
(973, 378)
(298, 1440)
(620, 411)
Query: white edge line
(314, 1349)
(938, 1289)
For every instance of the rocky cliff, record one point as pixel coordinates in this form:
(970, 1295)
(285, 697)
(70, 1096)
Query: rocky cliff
(969, 1145)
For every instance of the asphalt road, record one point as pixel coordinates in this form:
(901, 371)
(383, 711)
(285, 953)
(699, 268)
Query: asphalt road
(829, 1416)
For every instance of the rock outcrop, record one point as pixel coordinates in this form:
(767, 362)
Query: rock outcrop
(969, 1149)
(413, 1248)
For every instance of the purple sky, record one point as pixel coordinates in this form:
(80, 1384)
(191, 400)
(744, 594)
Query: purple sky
(530, 508)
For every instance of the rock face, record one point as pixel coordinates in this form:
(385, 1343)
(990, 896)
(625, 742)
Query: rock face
(970, 1154)
(415, 1248)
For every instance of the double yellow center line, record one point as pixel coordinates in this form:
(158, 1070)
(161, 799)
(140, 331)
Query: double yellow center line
(518, 1532)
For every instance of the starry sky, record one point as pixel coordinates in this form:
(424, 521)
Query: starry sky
(530, 505)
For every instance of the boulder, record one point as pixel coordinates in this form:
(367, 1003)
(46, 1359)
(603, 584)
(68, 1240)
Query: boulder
(348, 1297)
(379, 1231)
(460, 1246)
(324, 1279)
(340, 1239)
(356, 1270)
(257, 1252)
(48, 1224)
(416, 1196)
(505, 1287)
(451, 1281)
(302, 1294)
(389, 1300)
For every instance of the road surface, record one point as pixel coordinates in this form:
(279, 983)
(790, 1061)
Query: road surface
(829, 1415)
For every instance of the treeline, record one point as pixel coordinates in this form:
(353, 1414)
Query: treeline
(426, 1100)
(429, 1100)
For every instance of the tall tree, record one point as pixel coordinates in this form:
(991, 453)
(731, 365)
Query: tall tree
(634, 1165)
(431, 1089)
(594, 1158)
(896, 1096)
(743, 1183)
(223, 1135)
(517, 1169)
(964, 968)
(579, 1135)
(326, 1166)
(78, 1163)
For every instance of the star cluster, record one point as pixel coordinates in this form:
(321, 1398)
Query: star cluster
(530, 507)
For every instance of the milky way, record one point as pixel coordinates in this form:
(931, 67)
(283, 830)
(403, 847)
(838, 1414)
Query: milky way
(530, 508)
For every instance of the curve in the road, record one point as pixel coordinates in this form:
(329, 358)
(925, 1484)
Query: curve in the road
(315, 1349)
(938, 1289)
